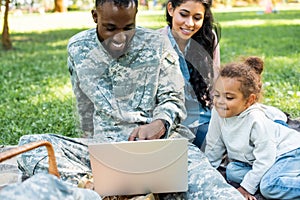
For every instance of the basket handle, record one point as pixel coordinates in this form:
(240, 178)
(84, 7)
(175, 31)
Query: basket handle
(27, 147)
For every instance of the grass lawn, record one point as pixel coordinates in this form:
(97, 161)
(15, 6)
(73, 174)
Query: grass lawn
(36, 95)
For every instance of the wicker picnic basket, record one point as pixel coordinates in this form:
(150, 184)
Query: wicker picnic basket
(27, 147)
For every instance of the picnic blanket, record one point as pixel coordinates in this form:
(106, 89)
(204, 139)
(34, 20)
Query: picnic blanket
(46, 186)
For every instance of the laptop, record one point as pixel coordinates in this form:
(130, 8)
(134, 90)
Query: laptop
(140, 167)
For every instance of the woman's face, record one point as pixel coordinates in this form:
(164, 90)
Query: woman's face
(187, 18)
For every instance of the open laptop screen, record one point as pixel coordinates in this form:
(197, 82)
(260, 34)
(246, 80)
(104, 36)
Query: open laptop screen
(140, 167)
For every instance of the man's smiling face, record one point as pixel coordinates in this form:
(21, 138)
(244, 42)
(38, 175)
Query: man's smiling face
(115, 26)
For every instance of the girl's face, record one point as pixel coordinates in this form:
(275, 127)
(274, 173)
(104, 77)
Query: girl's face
(187, 18)
(228, 99)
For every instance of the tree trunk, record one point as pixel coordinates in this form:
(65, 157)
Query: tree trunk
(6, 43)
(59, 6)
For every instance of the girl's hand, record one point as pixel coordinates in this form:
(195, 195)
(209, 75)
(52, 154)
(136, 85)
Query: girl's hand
(246, 194)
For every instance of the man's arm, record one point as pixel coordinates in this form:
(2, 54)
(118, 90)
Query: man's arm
(170, 95)
(170, 108)
(84, 105)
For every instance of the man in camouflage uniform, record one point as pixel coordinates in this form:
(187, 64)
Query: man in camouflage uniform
(117, 94)
(128, 86)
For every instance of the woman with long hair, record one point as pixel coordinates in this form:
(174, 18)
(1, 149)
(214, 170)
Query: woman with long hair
(195, 37)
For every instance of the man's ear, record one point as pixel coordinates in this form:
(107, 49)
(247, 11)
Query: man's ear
(251, 100)
(94, 15)
(170, 9)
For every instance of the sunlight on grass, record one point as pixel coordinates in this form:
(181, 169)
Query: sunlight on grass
(57, 43)
(258, 22)
(49, 21)
(282, 84)
(287, 99)
(58, 92)
(154, 25)
(153, 19)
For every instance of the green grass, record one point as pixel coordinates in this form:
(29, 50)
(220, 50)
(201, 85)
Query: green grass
(274, 38)
(36, 95)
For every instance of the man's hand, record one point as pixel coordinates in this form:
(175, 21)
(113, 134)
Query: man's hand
(246, 194)
(151, 131)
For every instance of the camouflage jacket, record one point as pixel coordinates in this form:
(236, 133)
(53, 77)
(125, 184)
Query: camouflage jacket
(116, 95)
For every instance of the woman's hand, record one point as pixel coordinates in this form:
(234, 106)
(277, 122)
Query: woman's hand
(151, 131)
(246, 194)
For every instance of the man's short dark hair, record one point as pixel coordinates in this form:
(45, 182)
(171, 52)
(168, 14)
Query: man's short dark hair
(124, 3)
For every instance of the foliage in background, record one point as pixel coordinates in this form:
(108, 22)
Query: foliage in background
(36, 95)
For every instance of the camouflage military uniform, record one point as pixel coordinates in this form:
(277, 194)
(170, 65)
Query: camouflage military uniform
(46, 187)
(116, 95)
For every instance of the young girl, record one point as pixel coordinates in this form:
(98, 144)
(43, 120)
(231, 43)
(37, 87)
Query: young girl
(262, 153)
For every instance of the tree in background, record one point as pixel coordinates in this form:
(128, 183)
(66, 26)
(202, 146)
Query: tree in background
(59, 6)
(6, 42)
